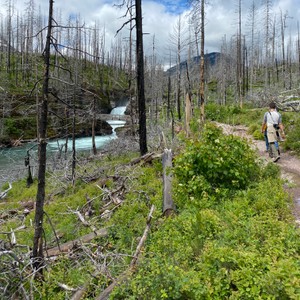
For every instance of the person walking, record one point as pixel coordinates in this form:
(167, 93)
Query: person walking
(272, 123)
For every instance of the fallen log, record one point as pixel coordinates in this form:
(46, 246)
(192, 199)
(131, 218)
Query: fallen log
(105, 294)
(148, 157)
(63, 248)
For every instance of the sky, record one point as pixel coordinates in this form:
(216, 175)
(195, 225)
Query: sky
(160, 18)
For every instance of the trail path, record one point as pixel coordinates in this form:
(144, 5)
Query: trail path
(289, 164)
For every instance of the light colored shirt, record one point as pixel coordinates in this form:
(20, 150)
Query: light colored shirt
(272, 117)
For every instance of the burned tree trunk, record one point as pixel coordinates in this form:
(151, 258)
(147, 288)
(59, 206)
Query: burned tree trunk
(37, 252)
(140, 78)
(168, 204)
(202, 79)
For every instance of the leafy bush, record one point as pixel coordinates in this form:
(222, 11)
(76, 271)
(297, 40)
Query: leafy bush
(222, 113)
(292, 131)
(17, 127)
(11, 128)
(215, 162)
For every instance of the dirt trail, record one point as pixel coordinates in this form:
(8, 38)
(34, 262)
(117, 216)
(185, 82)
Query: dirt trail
(289, 164)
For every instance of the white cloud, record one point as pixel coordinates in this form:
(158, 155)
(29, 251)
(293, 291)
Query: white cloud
(159, 19)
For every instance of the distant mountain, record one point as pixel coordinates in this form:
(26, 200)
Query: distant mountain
(210, 59)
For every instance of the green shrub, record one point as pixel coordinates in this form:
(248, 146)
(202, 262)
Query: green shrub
(215, 162)
(11, 128)
(292, 134)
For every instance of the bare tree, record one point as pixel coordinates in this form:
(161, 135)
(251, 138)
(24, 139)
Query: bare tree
(37, 252)
(298, 47)
(202, 78)
(239, 56)
(267, 20)
(252, 20)
(178, 42)
(9, 34)
(140, 78)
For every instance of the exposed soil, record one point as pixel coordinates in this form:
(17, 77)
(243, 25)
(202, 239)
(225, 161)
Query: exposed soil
(289, 164)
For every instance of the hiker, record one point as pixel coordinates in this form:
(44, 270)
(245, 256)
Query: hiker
(272, 123)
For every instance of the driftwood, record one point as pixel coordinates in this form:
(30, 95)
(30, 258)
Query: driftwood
(105, 294)
(69, 245)
(168, 204)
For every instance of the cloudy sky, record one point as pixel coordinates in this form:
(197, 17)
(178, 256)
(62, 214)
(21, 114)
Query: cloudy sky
(161, 16)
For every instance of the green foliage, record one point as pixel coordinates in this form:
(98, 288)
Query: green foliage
(215, 163)
(292, 130)
(271, 170)
(233, 236)
(244, 248)
(234, 114)
(255, 131)
(253, 117)
(11, 128)
(17, 127)
(64, 271)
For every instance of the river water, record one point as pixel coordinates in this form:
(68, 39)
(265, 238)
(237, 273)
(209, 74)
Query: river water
(12, 160)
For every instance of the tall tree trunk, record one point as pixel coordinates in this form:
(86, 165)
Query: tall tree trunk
(298, 46)
(267, 43)
(140, 78)
(239, 79)
(94, 126)
(73, 138)
(9, 36)
(169, 98)
(178, 75)
(282, 23)
(202, 79)
(37, 252)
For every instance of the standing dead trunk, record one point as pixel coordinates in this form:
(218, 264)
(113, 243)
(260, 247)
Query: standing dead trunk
(37, 252)
(140, 78)
(168, 204)
(93, 127)
(239, 59)
(202, 82)
(188, 113)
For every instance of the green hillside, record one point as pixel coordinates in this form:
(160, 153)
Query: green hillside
(232, 236)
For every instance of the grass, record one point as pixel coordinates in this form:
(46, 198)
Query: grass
(231, 220)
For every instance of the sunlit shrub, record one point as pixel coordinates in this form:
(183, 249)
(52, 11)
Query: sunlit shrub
(215, 162)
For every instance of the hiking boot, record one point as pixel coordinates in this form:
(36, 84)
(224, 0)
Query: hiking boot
(276, 158)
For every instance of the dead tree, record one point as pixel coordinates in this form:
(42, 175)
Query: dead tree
(140, 78)
(168, 204)
(202, 80)
(37, 252)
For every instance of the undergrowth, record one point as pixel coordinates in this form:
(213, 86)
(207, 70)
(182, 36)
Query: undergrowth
(252, 117)
(232, 235)
(231, 239)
